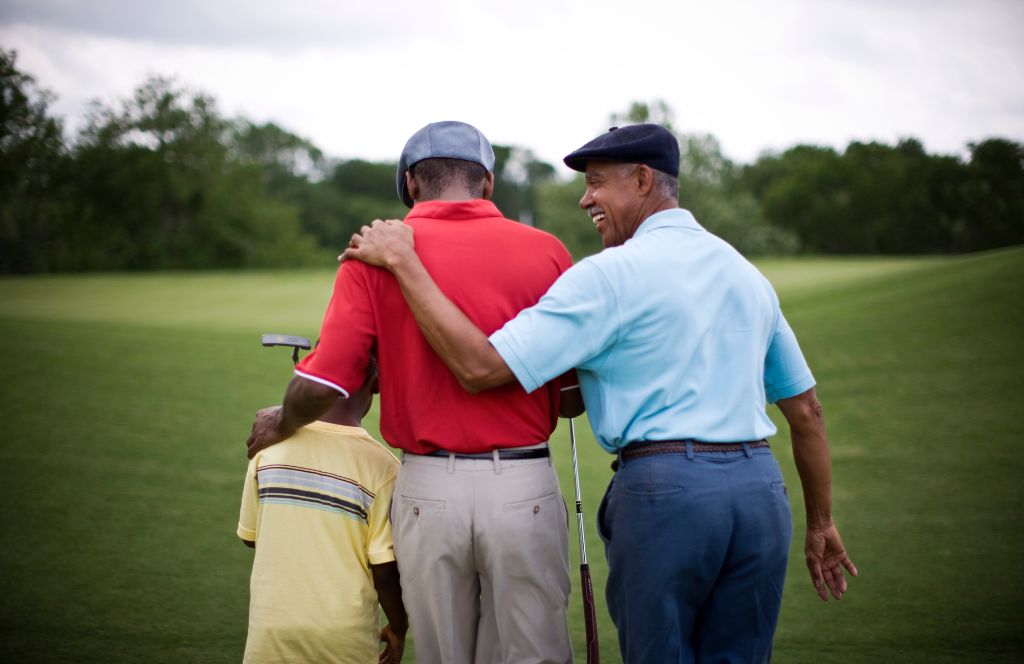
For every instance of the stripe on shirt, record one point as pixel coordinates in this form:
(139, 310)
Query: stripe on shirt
(298, 497)
(306, 487)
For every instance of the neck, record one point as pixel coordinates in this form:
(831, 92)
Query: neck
(343, 413)
(453, 193)
(662, 205)
(654, 207)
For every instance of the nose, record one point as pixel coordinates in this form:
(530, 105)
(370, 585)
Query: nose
(587, 200)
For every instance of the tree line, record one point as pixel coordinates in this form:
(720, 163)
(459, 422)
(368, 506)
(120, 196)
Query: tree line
(163, 180)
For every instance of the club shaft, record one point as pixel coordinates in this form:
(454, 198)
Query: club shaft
(587, 586)
(576, 483)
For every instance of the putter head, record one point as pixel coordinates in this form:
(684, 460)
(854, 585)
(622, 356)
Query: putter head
(293, 342)
(286, 340)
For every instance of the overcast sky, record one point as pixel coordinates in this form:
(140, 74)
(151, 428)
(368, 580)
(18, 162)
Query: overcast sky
(357, 77)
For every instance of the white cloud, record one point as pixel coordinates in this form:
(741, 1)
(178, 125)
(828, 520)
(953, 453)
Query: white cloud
(359, 78)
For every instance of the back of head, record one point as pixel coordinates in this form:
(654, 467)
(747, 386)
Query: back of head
(453, 150)
(350, 411)
(435, 175)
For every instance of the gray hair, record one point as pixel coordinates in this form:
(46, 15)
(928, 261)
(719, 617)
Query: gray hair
(667, 184)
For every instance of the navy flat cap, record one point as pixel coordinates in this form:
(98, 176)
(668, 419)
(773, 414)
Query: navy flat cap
(449, 139)
(649, 144)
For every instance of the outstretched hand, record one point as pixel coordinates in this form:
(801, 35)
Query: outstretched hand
(382, 243)
(826, 559)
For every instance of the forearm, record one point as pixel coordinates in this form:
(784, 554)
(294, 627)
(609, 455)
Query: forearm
(811, 455)
(304, 401)
(389, 594)
(810, 452)
(460, 344)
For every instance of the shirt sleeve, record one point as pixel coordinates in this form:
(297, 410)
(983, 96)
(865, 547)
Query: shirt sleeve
(379, 547)
(786, 373)
(570, 327)
(346, 336)
(250, 505)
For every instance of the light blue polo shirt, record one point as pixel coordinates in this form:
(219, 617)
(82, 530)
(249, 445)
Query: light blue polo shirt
(673, 335)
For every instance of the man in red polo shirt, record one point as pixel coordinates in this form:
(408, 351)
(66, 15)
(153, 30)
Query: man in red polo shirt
(478, 520)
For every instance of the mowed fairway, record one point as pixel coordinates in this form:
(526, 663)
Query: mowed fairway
(125, 402)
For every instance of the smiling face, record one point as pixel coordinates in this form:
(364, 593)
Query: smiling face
(613, 200)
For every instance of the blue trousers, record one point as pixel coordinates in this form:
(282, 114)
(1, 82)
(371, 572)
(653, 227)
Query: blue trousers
(696, 547)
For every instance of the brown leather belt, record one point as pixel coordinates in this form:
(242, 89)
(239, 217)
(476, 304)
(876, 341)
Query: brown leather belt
(646, 448)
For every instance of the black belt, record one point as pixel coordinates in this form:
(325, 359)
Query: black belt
(643, 448)
(509, 455)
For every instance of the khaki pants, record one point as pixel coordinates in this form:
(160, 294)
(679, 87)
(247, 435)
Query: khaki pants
(482, 547)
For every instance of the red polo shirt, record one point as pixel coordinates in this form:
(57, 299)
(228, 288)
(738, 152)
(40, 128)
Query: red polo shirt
(491, 268)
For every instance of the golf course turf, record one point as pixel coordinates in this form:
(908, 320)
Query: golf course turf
(125, 401)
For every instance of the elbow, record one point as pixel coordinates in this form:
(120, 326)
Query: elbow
(803, 411)
(474, 382)
(810, 411)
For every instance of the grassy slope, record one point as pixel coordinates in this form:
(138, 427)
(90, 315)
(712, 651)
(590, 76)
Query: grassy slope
(126, 401)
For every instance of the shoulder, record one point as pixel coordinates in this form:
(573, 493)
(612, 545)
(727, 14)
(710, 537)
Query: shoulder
(531, 234)
(379, 457)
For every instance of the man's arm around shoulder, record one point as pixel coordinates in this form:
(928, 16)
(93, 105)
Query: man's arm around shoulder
(462, 346)
(304, 401)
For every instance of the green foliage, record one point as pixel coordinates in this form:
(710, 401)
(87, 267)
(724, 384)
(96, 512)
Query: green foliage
(31, 165)
(518, 175)
(356, 193)
(994, 197)
(876, 198)
(162, 180)
(708, 188)
(158, 187)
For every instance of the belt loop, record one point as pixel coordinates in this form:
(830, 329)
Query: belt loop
(497, 462)
(689, 450)
(746, 449)
(451, 463)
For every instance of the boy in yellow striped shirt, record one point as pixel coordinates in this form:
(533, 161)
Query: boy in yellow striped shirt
(315, 508)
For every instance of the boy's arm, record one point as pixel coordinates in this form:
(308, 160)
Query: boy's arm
(389, 594)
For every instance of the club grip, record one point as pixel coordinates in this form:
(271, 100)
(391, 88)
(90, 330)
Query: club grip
(589, 615)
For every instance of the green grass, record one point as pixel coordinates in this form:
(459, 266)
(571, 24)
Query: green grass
(125, 402)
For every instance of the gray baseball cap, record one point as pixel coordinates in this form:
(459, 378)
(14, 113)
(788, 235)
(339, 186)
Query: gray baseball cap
(448, 139)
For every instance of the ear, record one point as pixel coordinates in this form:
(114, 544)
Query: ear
(488, 187)
(412, 186)
(644, 179)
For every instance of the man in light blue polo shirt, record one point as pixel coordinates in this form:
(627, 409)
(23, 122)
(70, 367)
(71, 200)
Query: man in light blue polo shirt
(678, 343)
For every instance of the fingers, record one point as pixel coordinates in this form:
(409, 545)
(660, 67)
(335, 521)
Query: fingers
(253, 445)
(817, 579)
(835, 582)
(850, 567)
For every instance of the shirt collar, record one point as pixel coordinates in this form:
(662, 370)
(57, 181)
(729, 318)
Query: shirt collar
(477, 208)
(676, 217)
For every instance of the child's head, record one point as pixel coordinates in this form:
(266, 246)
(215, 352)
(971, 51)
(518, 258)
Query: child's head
(350, 412)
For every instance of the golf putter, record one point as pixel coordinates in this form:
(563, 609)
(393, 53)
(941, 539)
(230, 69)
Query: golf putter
(288, 340)
(589, 611)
